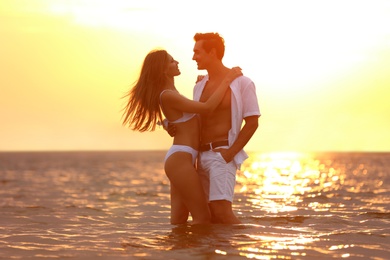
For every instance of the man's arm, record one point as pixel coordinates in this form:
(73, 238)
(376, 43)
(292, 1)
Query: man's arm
(246, 133)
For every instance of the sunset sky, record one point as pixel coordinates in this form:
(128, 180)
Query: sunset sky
(321, 68)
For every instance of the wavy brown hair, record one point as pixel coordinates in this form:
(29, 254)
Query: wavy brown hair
(142, 111)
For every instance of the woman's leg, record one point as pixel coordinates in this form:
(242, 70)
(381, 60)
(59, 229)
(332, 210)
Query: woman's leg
(179, 211)
(185, 180)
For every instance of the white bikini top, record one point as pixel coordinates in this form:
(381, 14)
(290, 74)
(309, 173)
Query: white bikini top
(184, 118)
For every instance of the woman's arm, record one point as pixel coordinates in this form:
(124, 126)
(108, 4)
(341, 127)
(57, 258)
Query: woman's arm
(219, 93)
(183, 104)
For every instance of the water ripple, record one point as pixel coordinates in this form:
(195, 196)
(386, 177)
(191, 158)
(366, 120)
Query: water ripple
(115, 205)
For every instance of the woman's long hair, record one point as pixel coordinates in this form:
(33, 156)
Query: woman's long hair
(142, 111)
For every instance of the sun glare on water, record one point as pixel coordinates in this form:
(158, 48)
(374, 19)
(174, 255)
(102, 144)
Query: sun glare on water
(280, 180)
(276, 185)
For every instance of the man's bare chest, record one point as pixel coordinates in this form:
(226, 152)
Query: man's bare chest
(209, 90)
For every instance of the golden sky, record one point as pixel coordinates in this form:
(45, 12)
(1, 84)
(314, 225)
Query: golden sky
(321, 69)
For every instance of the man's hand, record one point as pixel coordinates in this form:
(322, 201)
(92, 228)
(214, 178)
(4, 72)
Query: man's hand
(250, 126)
(226, 155)
(171, 129)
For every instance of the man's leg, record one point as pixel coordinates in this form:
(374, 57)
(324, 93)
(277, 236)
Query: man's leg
(222, 212)
(219, 177)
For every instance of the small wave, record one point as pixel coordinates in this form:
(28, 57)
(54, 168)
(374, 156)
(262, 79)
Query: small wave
(146, 194)
(36, 207)
(280, 219)
(5, 181)
(381, 215)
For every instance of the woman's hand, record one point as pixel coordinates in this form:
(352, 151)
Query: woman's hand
(234, 73)
(199, 78)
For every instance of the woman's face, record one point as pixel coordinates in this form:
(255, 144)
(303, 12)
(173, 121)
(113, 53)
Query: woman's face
(172, 68)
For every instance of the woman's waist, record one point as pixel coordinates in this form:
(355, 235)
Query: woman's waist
(187, 141)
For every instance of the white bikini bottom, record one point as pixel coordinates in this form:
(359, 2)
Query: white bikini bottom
(182, 148)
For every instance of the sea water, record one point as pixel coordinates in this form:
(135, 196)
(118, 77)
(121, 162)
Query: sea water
(116, 205)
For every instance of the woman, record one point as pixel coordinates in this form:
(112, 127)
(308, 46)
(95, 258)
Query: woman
(153, 93)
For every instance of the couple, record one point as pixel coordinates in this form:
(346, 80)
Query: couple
(208, 126)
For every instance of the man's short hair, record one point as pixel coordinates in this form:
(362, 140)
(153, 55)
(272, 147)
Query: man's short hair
(210, 41)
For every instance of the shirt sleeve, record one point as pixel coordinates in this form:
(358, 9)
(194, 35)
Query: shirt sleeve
(249, 99)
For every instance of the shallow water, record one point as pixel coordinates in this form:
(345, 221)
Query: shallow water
(115, 205)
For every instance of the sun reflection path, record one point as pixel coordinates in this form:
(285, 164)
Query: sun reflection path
(286, 187)
(278, 182)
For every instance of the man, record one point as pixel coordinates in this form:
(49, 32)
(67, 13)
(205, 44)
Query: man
(222, 138)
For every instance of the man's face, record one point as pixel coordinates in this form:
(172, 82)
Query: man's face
(201, 57)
